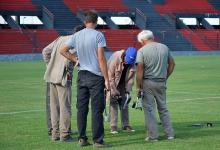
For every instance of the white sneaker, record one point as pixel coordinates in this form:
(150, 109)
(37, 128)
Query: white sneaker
(150, 140)
(114, 132)
(170, 138)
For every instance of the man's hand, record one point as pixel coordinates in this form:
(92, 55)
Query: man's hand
(65, 52)
(115, 93)
(107, 85)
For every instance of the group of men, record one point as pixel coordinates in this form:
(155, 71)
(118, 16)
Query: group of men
(152, 65)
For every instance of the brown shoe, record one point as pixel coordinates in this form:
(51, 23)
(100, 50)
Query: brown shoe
(67, 139)
(83, 142)
(128, 129)
(101, 145)
(55, 138)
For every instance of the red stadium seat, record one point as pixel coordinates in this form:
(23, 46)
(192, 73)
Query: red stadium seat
(121, 39)
(18, 5)
(186, 6)
(15, 41)
(98, 5)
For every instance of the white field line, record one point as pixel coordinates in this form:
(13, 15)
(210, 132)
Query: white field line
(185, 92)
(39, 110)
(193, 99)
(19, 112)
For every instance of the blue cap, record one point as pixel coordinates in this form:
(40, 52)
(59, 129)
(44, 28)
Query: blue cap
(130, 55)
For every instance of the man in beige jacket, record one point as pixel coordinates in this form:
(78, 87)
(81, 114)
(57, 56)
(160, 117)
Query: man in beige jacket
(121, 71)
(59, 75)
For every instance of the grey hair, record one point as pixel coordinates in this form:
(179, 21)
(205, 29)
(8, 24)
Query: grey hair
(145, 35)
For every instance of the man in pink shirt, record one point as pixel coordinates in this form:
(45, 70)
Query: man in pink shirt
(121, 72)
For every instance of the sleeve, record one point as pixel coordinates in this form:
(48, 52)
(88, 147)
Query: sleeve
(130, 81)
(169, 54)
(140, 57)
(101, 40)
(71, 42)
(46, 52)
(111, 74)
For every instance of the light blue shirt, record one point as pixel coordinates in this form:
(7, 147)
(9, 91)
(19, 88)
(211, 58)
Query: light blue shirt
(86, 42)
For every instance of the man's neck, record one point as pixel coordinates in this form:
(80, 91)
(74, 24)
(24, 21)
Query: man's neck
(148, 42)
(90, 25)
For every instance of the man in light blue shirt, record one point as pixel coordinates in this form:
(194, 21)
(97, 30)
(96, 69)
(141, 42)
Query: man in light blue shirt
(92, 78)
(87, 48)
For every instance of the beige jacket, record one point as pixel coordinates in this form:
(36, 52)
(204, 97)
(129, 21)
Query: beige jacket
(115, 68)
(56, 63)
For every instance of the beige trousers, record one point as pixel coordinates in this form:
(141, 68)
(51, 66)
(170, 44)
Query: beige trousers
(60, 105)
(123, 112)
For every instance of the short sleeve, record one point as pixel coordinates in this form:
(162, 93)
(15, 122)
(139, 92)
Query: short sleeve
(101, 40)
(169, 54)
(71, 42)
(140, 57)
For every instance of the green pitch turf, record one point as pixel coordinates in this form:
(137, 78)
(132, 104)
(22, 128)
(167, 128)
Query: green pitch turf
(193, 97)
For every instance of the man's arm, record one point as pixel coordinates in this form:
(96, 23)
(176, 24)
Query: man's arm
(103, 66)
(171, 65)
(64, 50)
(111, 75)
(46, 52)
(139, 77)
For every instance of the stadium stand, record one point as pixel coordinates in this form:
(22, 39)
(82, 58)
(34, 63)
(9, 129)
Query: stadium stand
(163, 29)
(215, 3)
(44, 37)
(14, 41)
(160, 16)
(210, 37)
(186, 6)
(100, 6)
(64, 19)
(120, 39)
(195, 39)
(18, 5)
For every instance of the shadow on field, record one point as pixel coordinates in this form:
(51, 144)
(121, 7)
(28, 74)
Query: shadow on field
(196, 129)
(183, 130)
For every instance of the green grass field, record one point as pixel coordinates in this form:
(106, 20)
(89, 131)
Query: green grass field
(193, 97)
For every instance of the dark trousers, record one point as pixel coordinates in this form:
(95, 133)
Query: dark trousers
(91, 86)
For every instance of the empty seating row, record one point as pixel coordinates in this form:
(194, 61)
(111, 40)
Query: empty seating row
(121, 39)
(98, 5)
(186, 6)
(203, 39)
(18, 5)
(17, 41)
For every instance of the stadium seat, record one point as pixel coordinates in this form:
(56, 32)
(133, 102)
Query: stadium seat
(195, 39)
(15, 41)
(186, 6)
(98, 5)
(120, 38)
(18, 5)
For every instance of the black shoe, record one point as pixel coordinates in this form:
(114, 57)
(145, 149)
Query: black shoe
(101, 145)
(83, 143)
(67, 139)
(128, 129)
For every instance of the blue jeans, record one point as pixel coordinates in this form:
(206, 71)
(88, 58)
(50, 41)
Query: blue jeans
(91, 86)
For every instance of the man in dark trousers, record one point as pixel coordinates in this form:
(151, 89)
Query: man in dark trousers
(92, 78)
